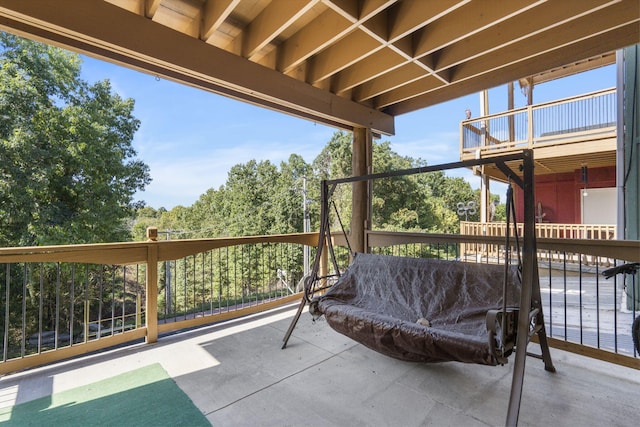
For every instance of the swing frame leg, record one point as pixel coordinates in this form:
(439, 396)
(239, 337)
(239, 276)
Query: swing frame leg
(294, 322)
(542, 332)
(530, 293)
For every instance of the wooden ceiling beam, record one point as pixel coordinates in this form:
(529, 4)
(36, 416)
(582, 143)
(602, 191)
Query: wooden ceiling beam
(183, 16)
(135, 6)
(532, 21)
(540, 44)
(150, 7)
(214, 14)
(466, 21)
(570, 69)
(407, 91)
(461, 20)
(313, 38)
(341, 18)
(268, 25)
(383, 62)
(605, 42)
(163, 51)
(404, 74)
(377, 33)
(409, 15)
(340, 55)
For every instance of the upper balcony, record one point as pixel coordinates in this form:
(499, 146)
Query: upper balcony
(565, 134)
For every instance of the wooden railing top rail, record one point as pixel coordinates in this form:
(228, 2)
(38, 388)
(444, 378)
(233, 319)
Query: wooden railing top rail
(137, 252)
(628, 250)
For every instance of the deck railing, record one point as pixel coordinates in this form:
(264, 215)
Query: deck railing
(63, 301)
(543, 230)
(584, 312)
(586, 117)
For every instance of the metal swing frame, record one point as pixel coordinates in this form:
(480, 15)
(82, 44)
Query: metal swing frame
(526, 322)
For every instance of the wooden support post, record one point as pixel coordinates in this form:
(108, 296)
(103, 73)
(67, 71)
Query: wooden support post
(361, 161)
(151, 303)
(510, 107)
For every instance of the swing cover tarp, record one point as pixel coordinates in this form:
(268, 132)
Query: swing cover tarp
(380, 300)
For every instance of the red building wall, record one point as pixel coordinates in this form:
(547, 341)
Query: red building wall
(559, 194)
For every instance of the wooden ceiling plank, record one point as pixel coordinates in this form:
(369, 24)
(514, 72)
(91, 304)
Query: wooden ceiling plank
(187, 8)
(371, 8)
(181, 18)
(348, 9)
(466, 21)
(605, 42)
(135, 6)
(369, 68)
(408, 91)
(410, 15)
(275, 18)
(406, 73)
(214, 14)
(582, 28)
(570, 69)
(334, 59)
(151, 6)
(311, 39)
(340, 55)
(546, 16)
(405, 16)
(165, 52)
(439, 29)
(341, 18)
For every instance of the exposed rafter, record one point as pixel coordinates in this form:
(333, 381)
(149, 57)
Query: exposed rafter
(348, 63)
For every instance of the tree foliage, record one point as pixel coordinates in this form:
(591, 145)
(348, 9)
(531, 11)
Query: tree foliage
(263, 198)
(69, 170)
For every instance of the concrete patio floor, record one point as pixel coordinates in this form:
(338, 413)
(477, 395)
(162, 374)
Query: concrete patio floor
(237, 375)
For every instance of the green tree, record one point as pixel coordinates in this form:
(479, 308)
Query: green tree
(69, 170)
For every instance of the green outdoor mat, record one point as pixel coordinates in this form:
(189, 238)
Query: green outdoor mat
(144, 397)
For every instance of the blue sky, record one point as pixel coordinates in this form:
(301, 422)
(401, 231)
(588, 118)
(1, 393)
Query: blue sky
(191, 138)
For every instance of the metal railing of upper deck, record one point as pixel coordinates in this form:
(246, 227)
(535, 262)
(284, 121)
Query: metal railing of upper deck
(586, 117)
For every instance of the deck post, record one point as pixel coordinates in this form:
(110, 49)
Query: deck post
(151, 303)
(361, 164)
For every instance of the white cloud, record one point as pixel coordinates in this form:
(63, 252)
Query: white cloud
(180, 175)
(443, 147)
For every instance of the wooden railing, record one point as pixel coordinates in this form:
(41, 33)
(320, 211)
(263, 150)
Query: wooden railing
(64, 301)
(543, 230)
(584, 313)
(581, 118)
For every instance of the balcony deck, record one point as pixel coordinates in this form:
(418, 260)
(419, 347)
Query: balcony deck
(236, 374)
(565, 134)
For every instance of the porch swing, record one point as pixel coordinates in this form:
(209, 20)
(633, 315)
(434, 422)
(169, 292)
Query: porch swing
(433, 310)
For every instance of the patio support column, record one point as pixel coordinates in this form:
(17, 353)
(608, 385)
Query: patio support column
(631, 167)
(151, 303)
(361, 165)
(485, 193)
